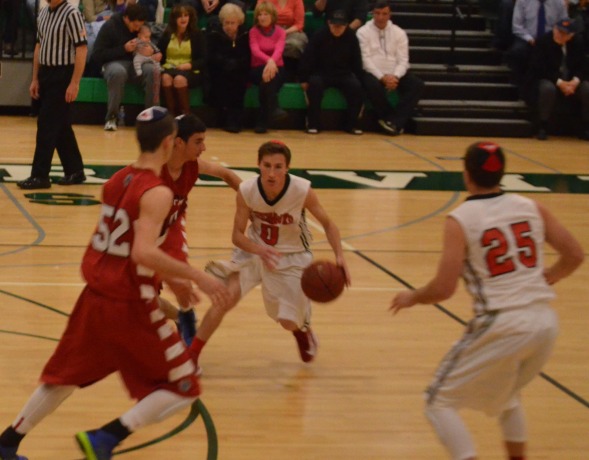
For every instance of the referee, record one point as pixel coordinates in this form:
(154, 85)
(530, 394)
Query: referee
(58, 65)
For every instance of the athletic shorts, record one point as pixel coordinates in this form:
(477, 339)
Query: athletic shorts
(498, 355)
(105, 335)
(281, 288)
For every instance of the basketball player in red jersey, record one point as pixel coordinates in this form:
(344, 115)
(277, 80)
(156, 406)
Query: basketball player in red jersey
(116, 324)
(180, 173)
(495, 240)
(274, 250)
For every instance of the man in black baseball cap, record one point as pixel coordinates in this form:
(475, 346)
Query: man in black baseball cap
(556, 74)
(355, 11)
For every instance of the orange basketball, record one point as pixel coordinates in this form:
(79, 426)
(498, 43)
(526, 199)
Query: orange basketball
(323, 281)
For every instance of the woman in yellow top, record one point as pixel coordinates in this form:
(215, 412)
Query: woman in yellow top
(183, 58)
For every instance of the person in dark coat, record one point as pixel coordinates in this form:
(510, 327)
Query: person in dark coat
(333, 59)
(229, 65)
(556, 73)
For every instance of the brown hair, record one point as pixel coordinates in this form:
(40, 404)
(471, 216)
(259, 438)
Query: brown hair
(273, 147)
(177, 12)
(266, 7)
(485, 164)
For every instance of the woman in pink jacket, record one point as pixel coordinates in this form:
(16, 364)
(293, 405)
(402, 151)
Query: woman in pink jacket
(267, 41)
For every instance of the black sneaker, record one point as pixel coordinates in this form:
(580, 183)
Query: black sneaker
(72, 179)
(541, 135)
(34, 183)
(390, 128)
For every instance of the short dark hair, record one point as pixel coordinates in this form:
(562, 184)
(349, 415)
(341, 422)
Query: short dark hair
(151, 133)
(136, 12)
(189, 125)
(380, 4)
(272, 147)
(485, 164)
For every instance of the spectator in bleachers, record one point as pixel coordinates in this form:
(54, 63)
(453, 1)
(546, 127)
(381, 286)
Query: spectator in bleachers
(228, 58)
(290, 15)
(151, 6)
(113, 53)
(96, 13)
(333, 59)
(556, 74)
(267, 42)
(145, 50)
(184, 58)
(208, 9)
(385, 57)
(356, 10)
(531, 20)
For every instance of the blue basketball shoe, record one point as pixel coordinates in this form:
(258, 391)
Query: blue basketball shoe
(186, 324)
(9, 453)
(97, 444)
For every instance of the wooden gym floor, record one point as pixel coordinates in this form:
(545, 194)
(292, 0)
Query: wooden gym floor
(362, 397)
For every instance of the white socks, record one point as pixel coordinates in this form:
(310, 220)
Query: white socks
(154, 408)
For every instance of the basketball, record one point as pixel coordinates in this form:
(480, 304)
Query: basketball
(323, 281)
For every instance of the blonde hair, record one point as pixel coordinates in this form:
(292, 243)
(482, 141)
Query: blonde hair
(231, 10)
(266, 7)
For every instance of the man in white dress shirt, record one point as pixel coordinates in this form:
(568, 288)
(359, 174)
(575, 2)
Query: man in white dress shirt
(385, 58)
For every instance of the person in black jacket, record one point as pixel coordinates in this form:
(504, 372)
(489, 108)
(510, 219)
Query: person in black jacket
(184, 58)
(333, 59)
(228, 55)
(113, 53)
(556, 72)
(356, 11)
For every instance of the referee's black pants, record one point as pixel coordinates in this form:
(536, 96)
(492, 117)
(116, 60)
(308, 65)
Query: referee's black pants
(54, 125)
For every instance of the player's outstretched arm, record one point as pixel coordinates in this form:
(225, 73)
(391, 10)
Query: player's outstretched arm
(154, 207)
(216, 170)
(331, 231)
(443, 285)
(569, 250)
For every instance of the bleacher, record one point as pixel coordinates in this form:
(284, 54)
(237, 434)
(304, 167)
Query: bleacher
(92, 98)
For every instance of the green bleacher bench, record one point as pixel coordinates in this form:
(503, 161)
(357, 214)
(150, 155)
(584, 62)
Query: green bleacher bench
(291, 96)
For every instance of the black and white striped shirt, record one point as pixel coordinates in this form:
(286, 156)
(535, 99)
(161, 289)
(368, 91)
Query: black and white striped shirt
(59, 32)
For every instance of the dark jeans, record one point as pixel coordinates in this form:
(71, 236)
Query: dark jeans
(517, 58)
(268, 95)
(409, 90)
(350, 87)
(54, 125)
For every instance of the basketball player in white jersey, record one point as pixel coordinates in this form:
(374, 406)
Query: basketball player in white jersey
(274, 249)
(495, 241)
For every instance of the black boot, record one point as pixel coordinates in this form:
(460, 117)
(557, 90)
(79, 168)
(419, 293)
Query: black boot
(233, 121)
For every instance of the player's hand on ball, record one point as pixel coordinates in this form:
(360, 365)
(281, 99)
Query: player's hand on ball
(403, 299)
